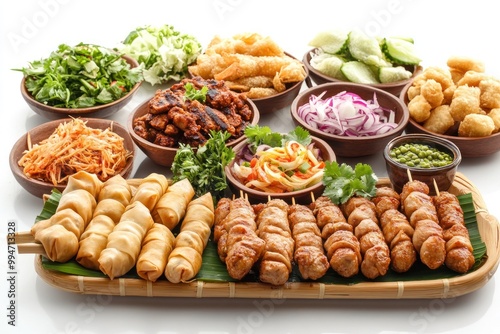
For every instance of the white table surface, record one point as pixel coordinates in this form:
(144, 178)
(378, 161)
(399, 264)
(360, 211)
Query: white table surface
(31, 29)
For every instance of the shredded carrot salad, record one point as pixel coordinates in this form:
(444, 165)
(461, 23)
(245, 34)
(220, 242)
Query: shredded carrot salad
(74, 147)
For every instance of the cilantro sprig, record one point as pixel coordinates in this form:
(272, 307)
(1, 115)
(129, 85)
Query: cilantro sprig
(204, 166)
(263, 135)
(343, 182)
(195, 94)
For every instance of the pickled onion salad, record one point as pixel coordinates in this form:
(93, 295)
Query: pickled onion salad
(347, 114)
(277, 163)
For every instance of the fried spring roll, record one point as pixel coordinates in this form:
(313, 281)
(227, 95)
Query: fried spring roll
(173, 204)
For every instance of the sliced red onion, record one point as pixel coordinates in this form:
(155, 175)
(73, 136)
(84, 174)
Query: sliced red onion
(347, 114)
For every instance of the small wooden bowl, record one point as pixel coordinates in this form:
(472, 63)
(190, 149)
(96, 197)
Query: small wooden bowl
(39, 188)
(443, 176)
(354, 146)
(320, 78)
(470, 147)
(100, 111)
(303, 196)
(161, 155)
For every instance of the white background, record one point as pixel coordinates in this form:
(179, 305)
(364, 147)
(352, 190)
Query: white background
(31, 29)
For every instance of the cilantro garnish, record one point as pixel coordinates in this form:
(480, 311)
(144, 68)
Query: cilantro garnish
(263, 135)
(342, 181)
(204, 167)
(195, 94)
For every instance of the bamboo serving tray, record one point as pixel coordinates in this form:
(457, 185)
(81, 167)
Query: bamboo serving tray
(489, 230)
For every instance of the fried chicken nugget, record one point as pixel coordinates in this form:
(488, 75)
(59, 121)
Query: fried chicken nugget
(432, 91)
(419, 109)
(466, 100)
(490, 93)
(476, 125)
(440, 120)
(495, 116)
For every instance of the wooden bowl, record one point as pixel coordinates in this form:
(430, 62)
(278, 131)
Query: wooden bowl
(320, 78)
(354, 146)
(39, 188)
(443, 176)
(161, 155)
(299, 196)
(470, 147)
(99, 111)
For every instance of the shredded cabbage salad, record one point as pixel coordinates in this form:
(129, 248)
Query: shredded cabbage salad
(347, 114)
(291, 167)
(164, 51)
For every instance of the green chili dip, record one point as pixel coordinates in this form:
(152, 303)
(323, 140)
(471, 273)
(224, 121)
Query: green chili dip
(420, 156)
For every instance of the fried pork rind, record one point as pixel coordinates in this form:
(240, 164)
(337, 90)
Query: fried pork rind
(466, 100)
(490, 93)
(432, 91)
(472, 78)
(247, 43)
(495, 116)
(419, 109)
(248, 61)
(440, 120)
(465, 64)
(476, 125)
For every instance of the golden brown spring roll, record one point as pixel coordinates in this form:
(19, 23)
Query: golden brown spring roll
(150, 190)
(156, 248)
(172, 206)
(84, 180)
(114, 196)
(59, 245)
(125, 241)
(184, 262)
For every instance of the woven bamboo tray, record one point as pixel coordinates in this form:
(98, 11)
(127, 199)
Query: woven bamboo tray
(489, 230)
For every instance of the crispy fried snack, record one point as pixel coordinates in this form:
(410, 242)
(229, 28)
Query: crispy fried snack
(495, 116)
(466, 100)
(432, 92)
(476, 125)
(440, 120)
(490, 93)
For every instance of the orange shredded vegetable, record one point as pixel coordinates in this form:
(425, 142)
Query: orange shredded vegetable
(74, 147)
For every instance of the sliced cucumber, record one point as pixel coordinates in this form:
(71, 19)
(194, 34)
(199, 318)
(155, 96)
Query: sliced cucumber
(400, 51)
(366, 49)
(331, 41)
(393, 74)
(359, 72)
(329, 64)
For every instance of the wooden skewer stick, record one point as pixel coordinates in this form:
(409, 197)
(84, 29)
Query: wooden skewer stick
(409, 175)
(436, 188)
(26, 244)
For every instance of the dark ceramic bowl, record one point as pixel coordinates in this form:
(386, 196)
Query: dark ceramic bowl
(320, 78)
(303, 196)
(354, 146)
(39, 188)
(164, 156)
(100, 111)
(470, 147)
(399, 173)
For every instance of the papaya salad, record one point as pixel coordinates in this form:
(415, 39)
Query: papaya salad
(278, 163)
